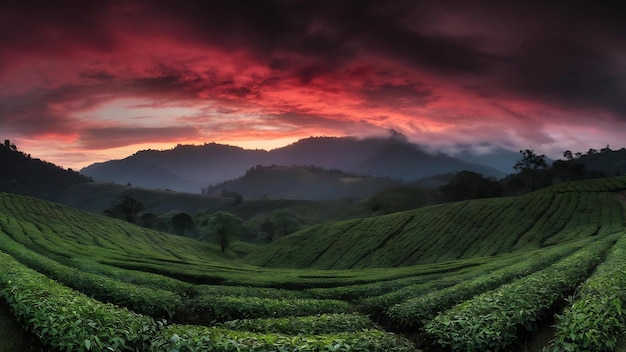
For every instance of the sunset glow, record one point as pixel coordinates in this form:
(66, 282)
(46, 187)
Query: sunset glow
(88, 81)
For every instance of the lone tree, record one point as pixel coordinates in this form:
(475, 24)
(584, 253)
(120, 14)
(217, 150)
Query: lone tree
(225, 225)
(530, 164)
(127, 209)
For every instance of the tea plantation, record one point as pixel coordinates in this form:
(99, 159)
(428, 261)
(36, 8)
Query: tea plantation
(479, 275)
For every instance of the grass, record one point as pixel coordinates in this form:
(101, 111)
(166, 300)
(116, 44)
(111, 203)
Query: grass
(409, 271)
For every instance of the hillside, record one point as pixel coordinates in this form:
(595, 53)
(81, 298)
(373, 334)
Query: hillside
(499, 266)
(191, 168)
(453, 231)
(302, 182)
(96, 197)
(24, 175)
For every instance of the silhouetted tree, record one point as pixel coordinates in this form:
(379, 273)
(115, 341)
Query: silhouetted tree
(237, 197)
(126, 210)
(284, 223)
(225, 226)
(530, 164)
(183, 223)
(470, 185)
(568, 155)
(267, 227)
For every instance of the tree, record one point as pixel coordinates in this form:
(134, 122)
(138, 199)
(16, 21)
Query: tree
(267, 227)
(183, 223)
(568, 155)
(225, 226)
(284, 223)
(470, 185)
(126, 210)
(237, 197)
(530, 164)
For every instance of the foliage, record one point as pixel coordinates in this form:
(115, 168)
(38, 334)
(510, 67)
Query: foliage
(505, 263)
(462, 230)
(308, 325)
(67, 320)
(126, 210)
(225, 226)
(490, 321)
(415, 311)
(200, 339)
(470, 185)
(596, 316)
(225, 308)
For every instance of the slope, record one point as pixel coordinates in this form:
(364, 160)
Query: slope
(62, 266)
(25, 175)
(454, 231)
(302, 182)
(189, 168)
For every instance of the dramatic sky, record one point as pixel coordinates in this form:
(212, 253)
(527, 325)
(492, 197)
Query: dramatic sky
(85, 81)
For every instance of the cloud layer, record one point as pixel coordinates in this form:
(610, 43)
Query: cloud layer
(100, 79)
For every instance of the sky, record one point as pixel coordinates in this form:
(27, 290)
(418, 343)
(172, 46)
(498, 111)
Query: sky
(89, 81)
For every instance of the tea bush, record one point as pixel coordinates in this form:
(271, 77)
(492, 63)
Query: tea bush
(597, 314)
(490, 321)
(66, 320)
(309, 325)
(204, 339)
(416, 311)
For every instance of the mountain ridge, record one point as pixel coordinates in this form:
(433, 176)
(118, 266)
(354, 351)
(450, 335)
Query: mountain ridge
(212, 163)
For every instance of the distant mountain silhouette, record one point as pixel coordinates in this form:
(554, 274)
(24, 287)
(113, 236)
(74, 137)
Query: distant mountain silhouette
(191, 168)
(488, 154)
(33, 177)
(302, 182)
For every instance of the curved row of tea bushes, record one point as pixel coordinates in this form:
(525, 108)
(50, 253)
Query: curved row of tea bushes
(310, 325)
(414, 312)
(145, 300)
(225, 308)
(490, 321)
(66, 320)
(597, 314)
(183, 338)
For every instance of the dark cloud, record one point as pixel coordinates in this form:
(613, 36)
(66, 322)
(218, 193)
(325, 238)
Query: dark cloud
(569, 73)
(434, 69)
(407, 94)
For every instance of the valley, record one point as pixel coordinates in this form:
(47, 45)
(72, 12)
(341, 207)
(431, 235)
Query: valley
(416, 280)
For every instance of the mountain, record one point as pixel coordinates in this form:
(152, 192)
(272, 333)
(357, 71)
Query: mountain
(33, 177)
(185, 168)
(487, 154)
(302, 182)
(190, 168)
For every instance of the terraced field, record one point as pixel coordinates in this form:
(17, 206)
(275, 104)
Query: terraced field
(469, 276)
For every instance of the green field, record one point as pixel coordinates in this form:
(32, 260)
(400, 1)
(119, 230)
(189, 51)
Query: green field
(481, 275)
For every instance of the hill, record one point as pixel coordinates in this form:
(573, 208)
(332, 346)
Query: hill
(609, 162)
(190, 168)
(520, 260)
(452, 231)
(96, 197)
(24, 175)
(302, 182)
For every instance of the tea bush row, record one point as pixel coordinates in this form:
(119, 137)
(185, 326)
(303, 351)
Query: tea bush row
(310, 325)
(414, 312)
(490, 321)
(145, 300)
(208, 339)
(597, 314)
(225, 308)
(66, 320)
